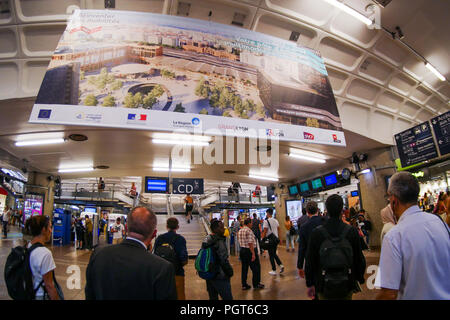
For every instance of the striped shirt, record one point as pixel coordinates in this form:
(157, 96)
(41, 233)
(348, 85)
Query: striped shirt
(245, 237)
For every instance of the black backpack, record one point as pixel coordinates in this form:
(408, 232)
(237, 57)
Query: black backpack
(336, 260)
(18, 276)
(167, 251)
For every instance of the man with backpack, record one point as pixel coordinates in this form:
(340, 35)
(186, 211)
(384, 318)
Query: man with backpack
(172, 247)
(334, 259)
(212, 263)
(270, 234)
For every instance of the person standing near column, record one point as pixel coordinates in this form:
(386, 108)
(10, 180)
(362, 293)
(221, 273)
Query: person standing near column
(6, 216)
(249, 256)
(271, 226)
(117, 230)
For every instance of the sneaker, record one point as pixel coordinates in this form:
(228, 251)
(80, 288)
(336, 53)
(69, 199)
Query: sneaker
(246, 287)
(259, 286)
(282, 269)
(189, 221)
(273, 273)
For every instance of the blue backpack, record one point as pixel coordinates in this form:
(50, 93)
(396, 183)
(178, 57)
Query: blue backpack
(205, 263)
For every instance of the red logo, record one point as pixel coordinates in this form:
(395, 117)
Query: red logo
(335, 139)
(143, 117)
(308, 136)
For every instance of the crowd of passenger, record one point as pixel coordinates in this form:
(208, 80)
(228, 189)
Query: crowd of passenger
(414, 260)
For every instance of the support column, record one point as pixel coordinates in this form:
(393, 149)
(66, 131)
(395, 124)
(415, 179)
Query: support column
(280, 208)
(373, 189)
(42, 185)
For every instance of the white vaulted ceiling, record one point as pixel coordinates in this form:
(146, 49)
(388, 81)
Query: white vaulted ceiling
(381, 86)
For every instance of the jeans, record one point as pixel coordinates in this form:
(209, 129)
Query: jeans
(5, 228)
(274, 257)
(218, 287)
(289, 240)
(246, 260)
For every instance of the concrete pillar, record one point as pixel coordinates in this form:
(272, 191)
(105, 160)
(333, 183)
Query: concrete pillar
(373, 189)
(45, 187)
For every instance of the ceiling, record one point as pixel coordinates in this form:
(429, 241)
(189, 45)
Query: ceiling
(381, 86)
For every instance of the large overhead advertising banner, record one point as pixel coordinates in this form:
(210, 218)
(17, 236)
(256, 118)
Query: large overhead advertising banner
(150, 71)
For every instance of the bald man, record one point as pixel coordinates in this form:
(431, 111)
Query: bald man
(129, 271)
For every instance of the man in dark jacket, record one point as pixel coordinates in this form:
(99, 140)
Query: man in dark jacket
(128, 270)
(335, 228)
(305, 230)
(220, 285)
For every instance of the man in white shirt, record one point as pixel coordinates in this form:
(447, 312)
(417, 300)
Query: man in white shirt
(271, 226)
(415, 255)
(117, 230)
(5, 220)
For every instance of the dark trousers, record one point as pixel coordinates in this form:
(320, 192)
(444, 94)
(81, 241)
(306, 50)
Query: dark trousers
(218, 287)
(88, 240)
(274, 257)
(5, 228)
(246, 260)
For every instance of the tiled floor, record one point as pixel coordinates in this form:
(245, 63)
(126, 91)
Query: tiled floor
(288, 286)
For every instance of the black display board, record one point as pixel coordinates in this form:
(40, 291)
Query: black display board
(416, 145)
(441, 127)
(185, 186)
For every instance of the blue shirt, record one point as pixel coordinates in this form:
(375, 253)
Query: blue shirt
(415, 257)
(179, 245)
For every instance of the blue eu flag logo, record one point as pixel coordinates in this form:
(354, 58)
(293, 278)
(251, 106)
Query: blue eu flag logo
(131, 116)
(44, 114)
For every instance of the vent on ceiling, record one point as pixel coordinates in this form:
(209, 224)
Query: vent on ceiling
(294, 36)
(229, 171)
(102, 167)
(263, 148)
(183, 9)
(238, 19)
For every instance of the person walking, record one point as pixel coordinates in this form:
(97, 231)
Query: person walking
(189, 202)
(249, 256)
(256, 228)
(79, 229)
(271, 226)
(117, 230)
(415, 255)
(42, 264)
(290, 233)
(334, 262)
(88, 234)
(174, 247)
(220, 285)
(305, 232)
(128, 270)
(388, 219)
(5, 221)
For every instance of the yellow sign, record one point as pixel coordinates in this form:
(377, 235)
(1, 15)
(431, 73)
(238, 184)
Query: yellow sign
(419, 174)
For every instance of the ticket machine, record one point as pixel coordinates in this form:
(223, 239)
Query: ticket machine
(61, 227)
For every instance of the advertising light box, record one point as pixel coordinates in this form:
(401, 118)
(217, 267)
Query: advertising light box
(146, 71)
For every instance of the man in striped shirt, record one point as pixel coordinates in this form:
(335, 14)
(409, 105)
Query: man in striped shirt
(249, 256)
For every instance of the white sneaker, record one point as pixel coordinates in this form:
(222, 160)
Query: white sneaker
(281, 269)
(273, 273)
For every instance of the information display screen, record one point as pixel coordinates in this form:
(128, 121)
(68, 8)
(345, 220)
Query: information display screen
(355, 193)
(416, 145)
(441, 127)
(156, 185)
(317, 183)
(330, 179)
(304, 187)
(293, 190)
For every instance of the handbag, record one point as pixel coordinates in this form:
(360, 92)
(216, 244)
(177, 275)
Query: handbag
(271, 240)
(292, 230)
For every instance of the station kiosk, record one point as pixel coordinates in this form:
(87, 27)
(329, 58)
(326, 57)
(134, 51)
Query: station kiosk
(61, 227)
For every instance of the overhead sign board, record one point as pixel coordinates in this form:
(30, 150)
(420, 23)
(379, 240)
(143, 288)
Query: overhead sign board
(416, 145)
(441, 128)
(150, 71)
(185, 186)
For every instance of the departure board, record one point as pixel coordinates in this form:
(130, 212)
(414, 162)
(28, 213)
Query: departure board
(441, 127)
(416, 145)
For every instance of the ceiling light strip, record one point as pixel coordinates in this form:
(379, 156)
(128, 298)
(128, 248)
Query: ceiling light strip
(256, 176)
(178, 142)
(307, 158)
(75, 170)
(350, 11)
(38, 142)
(433, 69)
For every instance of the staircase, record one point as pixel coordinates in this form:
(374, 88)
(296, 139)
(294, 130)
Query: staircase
(193, 232)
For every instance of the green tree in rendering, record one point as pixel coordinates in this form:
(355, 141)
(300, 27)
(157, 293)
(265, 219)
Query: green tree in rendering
(149, 100)
(310, 122)
(203, 111)
(214, 98)
(90, 100)
(138, 100)
(226, 113)
(157, 91)
(109, 101)
(82, 77)
(128, 101)
(116, 85)
(244, 115)
(260, 110)
(179, 108)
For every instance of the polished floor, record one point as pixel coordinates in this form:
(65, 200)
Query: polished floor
(288, 286)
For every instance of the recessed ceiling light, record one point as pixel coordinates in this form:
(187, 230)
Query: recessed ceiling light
(78, 137)
(102, 167)
(229, 171)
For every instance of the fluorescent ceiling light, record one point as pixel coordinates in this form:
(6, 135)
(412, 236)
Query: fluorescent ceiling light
(75, 169)
(183, 142)
(257, 176)
(172, 169)
(436, 73)
(38, 142)
(350, 11)
(365, 171)
(307, 158)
